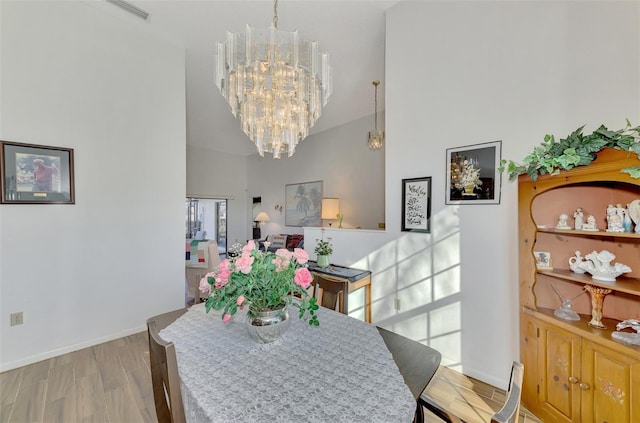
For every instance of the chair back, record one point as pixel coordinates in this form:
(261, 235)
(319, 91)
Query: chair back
(164, 371)
(511, 409)
(332, 292)
(214, 256)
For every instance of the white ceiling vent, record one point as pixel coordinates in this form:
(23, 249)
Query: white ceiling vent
(130, 8)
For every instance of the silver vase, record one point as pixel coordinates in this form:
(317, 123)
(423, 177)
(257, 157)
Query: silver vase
(267, 326)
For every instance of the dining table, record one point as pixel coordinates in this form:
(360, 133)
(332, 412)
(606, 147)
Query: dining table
(344, 370)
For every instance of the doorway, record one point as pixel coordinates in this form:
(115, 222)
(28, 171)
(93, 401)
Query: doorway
(206, 218)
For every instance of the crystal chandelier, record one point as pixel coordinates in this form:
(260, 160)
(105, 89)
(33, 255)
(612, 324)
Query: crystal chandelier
(275, 82)
(376, 138)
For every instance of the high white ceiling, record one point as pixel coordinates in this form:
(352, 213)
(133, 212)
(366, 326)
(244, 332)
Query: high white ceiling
(352, 32)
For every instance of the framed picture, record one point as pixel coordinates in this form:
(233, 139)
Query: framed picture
(472, 174)
(303, 203)
(543, 260)
(36, 174)
(416, 205)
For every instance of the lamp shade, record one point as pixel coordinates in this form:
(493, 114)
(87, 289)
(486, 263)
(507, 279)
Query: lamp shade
(262, 217)
(330, 208)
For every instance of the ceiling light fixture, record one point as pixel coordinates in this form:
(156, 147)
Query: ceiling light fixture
(275, 82)
(376, 138)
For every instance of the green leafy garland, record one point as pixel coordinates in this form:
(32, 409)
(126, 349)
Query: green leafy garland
(575, 150)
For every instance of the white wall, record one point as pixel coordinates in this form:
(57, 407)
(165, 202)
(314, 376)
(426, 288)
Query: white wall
(341, 159)
(75, 76)
(461, 73)
(213, 174)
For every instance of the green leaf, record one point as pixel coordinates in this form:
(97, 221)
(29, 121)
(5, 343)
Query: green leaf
(551, 156)
(634, 172)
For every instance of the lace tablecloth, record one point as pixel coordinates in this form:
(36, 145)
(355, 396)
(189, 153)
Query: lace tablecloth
(340, 371)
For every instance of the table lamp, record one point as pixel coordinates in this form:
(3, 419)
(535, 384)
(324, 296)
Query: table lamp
(260, 218)
(330, 209)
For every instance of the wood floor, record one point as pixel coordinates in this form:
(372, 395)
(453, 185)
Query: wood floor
(468, 399)
(111, 382)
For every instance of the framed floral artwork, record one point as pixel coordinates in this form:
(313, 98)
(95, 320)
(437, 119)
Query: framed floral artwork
(416, 205)
(472, 174)
(36, 174)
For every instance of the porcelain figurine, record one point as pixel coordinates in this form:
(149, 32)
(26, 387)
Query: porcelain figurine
(578, 217)
(614, 220)
(574, 263)
(615, 223)
(590, 225)
(600, 268)
(626, 337)
(634, 213)
(562, 222)
(626, 221)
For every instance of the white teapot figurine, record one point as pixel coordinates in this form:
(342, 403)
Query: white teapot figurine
(574, 263)
(598, 265)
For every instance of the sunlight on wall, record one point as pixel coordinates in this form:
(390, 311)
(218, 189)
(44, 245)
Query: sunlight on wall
(422, 271)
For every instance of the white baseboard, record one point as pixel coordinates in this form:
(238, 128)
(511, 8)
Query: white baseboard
(70, 348)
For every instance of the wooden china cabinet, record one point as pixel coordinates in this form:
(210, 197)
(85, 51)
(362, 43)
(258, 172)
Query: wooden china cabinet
(575, 372)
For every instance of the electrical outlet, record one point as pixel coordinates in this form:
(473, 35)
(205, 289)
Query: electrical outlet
(396, 304)
(16, 318)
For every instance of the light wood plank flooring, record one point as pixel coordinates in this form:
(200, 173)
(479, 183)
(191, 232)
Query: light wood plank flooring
(467, 398)
(111, 383)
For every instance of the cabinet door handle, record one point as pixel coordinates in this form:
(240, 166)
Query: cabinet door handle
(573, 379)
(584, 386)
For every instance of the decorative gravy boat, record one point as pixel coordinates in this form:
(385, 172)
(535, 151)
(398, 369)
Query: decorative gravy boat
(574, 263)
(600, 268)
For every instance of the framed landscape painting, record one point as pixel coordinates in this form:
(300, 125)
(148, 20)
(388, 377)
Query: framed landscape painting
(303, 203)
(36, 174)
(472, 174)
(416, 205)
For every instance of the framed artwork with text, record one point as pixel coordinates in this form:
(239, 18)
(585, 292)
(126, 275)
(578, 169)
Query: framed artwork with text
(416, 205)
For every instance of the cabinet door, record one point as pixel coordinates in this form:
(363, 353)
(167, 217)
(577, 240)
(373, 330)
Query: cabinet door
(607, 385)
(559, 374)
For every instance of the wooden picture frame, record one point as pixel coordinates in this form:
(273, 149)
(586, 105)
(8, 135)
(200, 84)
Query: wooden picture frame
(303, 204)
(481, 160)
(36, 174)
(416, 205)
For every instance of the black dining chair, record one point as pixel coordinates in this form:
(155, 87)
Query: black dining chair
(164, 371)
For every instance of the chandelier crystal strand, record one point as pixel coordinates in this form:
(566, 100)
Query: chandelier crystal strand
(275, 83)
(376, 138)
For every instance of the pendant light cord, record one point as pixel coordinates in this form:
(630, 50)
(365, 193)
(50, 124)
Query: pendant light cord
(375, 116)
(275, 14)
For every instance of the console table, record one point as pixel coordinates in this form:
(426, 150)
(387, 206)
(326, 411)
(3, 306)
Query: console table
(352, 279)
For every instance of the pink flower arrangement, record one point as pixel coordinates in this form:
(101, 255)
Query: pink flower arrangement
(263, 280)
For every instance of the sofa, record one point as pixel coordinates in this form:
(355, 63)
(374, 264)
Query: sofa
(288, 241)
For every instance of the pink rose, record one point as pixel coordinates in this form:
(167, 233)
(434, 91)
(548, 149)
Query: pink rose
(205, 287)
(251, 245)
(226, 318)
(303, 277)
(300, 255)
(284, 253)
(266, 244)
(243, 264)
(240, 300)
(223, 275)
